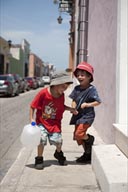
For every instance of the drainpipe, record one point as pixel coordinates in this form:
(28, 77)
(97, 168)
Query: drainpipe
(82, 46)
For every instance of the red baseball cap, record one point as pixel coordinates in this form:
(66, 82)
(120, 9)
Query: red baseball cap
(86, 67)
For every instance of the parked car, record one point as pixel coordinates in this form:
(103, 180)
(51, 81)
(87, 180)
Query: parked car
(32, 82)
(46, 79)
(40, 82)
(24, 85)
(8, 85)
(37, 81)
(19, 81)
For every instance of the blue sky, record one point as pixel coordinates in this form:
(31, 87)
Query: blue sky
(36, 21)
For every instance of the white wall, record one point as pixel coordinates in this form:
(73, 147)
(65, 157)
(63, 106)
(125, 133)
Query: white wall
(122, 63)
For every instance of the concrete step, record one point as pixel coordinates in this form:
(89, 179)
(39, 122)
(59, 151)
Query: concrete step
(121, 137)
(111, 168)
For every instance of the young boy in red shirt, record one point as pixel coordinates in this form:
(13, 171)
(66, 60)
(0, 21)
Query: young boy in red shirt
(49, 106)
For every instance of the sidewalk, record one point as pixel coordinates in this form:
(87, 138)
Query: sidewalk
(23, 177)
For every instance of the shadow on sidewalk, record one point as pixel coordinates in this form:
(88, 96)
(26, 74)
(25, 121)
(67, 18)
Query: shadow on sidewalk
(48, 163)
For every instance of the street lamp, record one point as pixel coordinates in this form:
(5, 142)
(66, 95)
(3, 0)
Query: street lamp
(55, 1)
(59, 19)
(64, 6)
(9, 43)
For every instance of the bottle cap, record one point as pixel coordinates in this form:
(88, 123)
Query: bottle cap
(33, 123)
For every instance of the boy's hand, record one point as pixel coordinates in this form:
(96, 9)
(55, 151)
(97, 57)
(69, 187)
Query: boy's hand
(74, 111)
(83, 105)
(32, 120)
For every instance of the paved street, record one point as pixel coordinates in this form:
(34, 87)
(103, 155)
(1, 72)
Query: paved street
(14, 114)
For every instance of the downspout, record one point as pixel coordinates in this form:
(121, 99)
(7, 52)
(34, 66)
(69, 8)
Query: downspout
(82, 46)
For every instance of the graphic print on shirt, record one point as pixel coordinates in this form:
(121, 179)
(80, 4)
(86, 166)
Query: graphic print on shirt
(49, 111)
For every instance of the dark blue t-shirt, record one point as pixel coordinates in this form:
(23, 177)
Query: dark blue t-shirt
(80, 96)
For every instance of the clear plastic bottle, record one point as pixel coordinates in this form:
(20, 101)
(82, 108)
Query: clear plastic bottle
(30, 136)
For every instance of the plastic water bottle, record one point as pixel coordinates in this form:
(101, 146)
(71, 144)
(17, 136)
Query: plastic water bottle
(30, 136)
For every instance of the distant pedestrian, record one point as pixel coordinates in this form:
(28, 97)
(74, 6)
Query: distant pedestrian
(49, 106)
(84, 98)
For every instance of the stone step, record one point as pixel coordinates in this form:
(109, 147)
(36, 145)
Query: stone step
(111, 168)
(121, 137)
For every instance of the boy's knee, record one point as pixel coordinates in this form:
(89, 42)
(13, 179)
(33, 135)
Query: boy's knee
(57, 142)
(56, 139)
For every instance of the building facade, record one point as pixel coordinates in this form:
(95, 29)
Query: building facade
(36, 66)
(14, 58)
(4, 55)
(100, 31)
(17, 58)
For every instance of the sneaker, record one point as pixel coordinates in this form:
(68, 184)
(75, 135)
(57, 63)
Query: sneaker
(85, 158)
(39, 162)
(60, 157)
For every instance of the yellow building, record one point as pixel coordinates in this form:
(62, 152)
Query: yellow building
(4, 55)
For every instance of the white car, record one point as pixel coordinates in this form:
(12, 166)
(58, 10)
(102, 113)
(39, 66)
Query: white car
(46, 79)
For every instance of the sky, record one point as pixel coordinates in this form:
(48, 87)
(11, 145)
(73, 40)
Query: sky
(36, 21)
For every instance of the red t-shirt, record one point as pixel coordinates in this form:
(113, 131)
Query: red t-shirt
(49, 110)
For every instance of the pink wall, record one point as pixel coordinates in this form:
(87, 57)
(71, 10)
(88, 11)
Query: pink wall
(102, 40)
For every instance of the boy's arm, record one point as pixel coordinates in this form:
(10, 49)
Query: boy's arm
(71, 109)
(31, 114)
(92, 104)
(73, 104)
